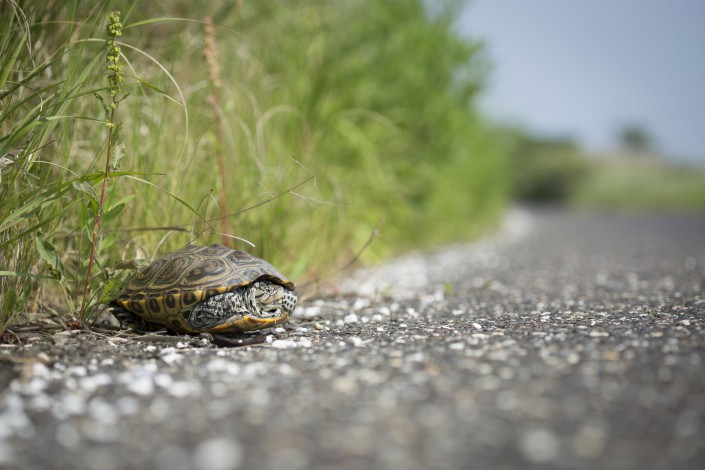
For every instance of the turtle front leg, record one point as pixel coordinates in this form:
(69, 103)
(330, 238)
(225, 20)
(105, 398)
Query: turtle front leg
(129, 320)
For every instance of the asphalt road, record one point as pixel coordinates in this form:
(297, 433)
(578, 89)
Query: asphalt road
(572, 341)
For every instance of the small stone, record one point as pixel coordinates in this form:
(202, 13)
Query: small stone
(416, 357)
(127, 405)
(589, 441)
(97, 431)
(40, 370)
(67, 435)
(141, 385)
(355, 341)
(218, 453)
(173, 457)
(43, 357)
(284, 343)
(171, 357)
(351, 318)
(7, 455)
(184, 388)
(598, 334)
(102, 411)
(308, 312)
(539, 445)
(78, 371)
(93, 382)
(163, 380)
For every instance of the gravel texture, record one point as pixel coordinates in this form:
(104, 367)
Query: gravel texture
(570, 341)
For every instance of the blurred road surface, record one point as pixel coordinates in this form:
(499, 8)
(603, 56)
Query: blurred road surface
(571, 341)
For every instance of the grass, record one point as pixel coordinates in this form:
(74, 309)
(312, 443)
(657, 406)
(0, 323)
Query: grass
(312, 123)
(633, 184)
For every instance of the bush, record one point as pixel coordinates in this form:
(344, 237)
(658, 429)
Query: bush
(545, 170)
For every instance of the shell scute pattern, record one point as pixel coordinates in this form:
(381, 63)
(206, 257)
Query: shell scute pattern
(164, 291)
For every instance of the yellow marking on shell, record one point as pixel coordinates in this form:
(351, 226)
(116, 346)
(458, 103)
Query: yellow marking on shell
(137, 306)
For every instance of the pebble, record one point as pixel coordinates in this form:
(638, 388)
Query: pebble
(218, 453)
(598, 334)
(67, 435)
(171, 357)
(355, 341)
(308, 312)
(350, 318)
(284, 344)
(590, 441)
(173, 457)
(539, 445)
(184, 388)
(127, 405)
(141, 385)
(92, 382)
(7, 455)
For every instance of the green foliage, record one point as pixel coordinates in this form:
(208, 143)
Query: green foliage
(335, 115)
(636, 139)
(545, 170)
(642, 185)
(388, 97)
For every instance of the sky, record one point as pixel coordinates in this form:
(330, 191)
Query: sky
(585, 68)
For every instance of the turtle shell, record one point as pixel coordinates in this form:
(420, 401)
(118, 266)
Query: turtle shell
(166, 290)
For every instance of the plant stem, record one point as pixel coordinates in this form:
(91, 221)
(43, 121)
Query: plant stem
(96, 225)
(211, 53)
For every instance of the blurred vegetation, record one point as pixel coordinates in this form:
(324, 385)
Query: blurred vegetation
(323, 118)
(641, 185)
(558, 172)
(544, 170)
(635, 139)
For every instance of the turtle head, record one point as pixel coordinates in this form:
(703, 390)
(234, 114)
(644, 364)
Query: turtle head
(261, 304)
(271, 300)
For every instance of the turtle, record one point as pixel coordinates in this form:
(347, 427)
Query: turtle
(206, 289)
